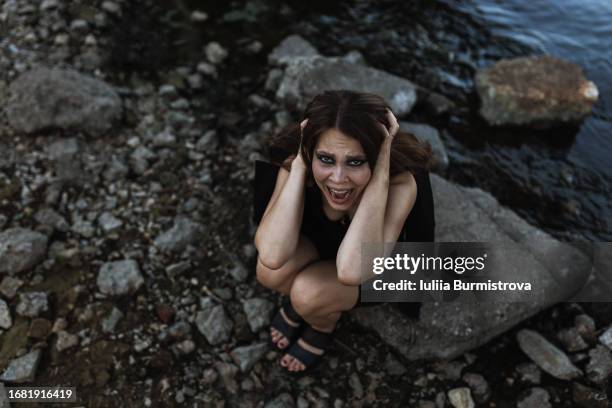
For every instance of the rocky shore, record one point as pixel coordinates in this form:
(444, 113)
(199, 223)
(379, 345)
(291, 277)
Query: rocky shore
(126, 255)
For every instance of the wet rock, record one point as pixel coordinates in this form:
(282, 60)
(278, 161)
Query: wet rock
(572, 340)
(426, 133)
(536, 398)
(605, 338)
(291, 47)
(21, 249)
(548, 357)
(66, 340)
(445, 330)
(599, 368)
(32, 304)
(10, 286)
(58, 98)
(246, 357)
(50, 217)
(461, 398)
(183, 232)
(5, 315)
(22, 369)
(585, 326)
(356, 386)
(541, 90)
(227, 373)
(214, 323)
(479, 386)
(119, 277)
(284, 400)
(585, 397)
(108, 222)
(110, 322)
(529, 372)
(215, 53)
(258, 313)
(306, 77)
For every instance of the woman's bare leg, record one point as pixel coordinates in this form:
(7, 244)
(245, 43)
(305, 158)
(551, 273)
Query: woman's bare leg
(282, 279)
(318, 296)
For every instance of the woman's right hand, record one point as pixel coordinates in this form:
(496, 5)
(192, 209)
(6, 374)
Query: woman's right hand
(298, 160)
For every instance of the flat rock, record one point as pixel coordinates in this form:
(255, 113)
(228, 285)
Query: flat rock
(246, 357)
(547, 356)
(585, 397)
(214, 324)
(22, 369)
(258, 313)
(306, 77)
(21, 249)
(540, 90)
(291, 47)
(32, 304)
(446, 330)
(62, 98)
(599, 369)
(183, 232)
(536, 398)
(119, 277)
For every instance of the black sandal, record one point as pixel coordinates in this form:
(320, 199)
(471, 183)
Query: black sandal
(310, 360)
(280, 324)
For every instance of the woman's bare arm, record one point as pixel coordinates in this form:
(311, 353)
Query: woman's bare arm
(278, 232)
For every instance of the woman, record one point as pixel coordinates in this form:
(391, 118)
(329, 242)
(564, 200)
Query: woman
(345, 175)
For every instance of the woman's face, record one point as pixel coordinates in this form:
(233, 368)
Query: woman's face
(340, 169)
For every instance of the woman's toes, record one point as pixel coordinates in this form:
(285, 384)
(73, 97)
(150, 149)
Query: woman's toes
(286, 360)
(282, 343)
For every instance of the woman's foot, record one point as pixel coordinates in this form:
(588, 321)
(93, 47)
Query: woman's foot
(278, 338)
(307, 350)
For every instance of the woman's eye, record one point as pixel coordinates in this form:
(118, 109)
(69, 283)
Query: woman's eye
(325, 159)
(356, 162)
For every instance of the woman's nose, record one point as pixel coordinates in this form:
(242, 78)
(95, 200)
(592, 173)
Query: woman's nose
(338, 174)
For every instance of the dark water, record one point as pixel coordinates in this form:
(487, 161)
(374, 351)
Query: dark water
(559, 179)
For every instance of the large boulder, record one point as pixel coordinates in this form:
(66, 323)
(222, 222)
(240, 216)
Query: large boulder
(46, 98)
(448, 329)
(291, 47)
(306, 77)
(541, 91)
(21, 249)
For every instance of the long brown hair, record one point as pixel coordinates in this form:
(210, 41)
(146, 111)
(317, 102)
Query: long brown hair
(358, 115)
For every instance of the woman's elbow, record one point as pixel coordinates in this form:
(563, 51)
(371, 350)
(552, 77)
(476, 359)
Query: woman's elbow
(271, 262)
(348, 279)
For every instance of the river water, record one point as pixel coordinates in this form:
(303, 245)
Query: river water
(559, 179)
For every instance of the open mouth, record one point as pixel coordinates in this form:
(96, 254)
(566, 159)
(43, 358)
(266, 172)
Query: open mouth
(340, 196)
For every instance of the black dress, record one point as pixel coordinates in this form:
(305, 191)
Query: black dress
(327, 235)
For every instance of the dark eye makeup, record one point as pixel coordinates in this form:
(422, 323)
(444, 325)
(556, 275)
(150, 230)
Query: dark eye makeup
(325, 159)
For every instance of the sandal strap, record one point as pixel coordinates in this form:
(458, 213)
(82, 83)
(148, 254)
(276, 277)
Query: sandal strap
(316, 338)
(280, 324)
(304, 356)
(290, 311)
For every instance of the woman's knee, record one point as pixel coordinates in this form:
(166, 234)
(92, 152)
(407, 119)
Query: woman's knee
(307, 295)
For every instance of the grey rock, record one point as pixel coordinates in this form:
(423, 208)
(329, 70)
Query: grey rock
(291, 47)
(208, 142)
(21, 249)
(548, 357)
(258, 313)
(306, 77)
(32, 304)
(246, 357)
(355, 57)
(215, 53)
(529, 372)
(5, 315)
(10, 286)
(239, 272)
(585, 397)
(445, 330)
(536, 398)
(108, 222)
(110, 322)
(22, 369)
(393, 366)
(606, 338)
(65, 147)
(58, 98)
(479, 386)
(426, 133)
(426, 404)
(164, 138)
(119, 277)
(461, 398)
(540, 90)
(183, 232)
(284, 400)
(115, 170)
(214, 324)
(227, 373)
(572, 340)
(178, 269)
(585, 325)
(179, 330)
(599, 369)
(66, 340)
(83, 228)
(4, 400)
(50, 217)
(355, 384)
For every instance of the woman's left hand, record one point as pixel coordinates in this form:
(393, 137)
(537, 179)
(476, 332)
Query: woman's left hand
(393, 125)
